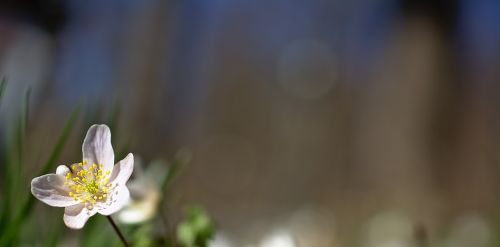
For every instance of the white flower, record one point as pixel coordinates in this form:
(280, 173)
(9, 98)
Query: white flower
(93, 186)
(145, 190)
(142, 208)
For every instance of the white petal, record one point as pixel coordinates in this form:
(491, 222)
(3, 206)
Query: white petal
(141, 208)
(122, 170)
(118, 200)
(51, 190)
(62, 170)
(76, 216)
(97, 147)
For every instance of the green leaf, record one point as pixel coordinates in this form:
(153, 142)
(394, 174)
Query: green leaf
(196, 229)
(186, 235)
(141, 235)
(27, 101)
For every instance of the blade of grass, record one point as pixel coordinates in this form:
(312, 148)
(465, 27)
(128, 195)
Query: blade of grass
(4, 208)
(5, 217)
(13, 145)
(7, 176)
(3, 84)
(22, 129)
(26, 207)
(22, 125)
(2, 215)
(27, 101)
(15, 165)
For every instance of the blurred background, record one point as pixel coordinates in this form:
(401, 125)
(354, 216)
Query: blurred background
(311, 123)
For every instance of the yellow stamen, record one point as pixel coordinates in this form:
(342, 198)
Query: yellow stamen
(88, 185)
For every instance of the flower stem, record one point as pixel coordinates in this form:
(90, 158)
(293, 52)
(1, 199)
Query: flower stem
(117, 230)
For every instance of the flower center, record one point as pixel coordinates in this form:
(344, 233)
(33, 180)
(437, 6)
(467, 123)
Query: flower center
(92, 187)
(88, 184)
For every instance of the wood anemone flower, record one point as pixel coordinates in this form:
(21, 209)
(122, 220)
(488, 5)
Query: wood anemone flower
(92, 186)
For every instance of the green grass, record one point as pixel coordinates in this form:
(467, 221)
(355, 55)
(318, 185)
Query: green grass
(11, 233)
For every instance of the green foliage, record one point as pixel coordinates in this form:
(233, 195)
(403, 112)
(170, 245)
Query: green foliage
(196, 229)
(13, 230)
(14, 160)
(141, 235)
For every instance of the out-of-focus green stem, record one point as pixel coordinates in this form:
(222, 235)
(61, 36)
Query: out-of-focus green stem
(117, 230)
